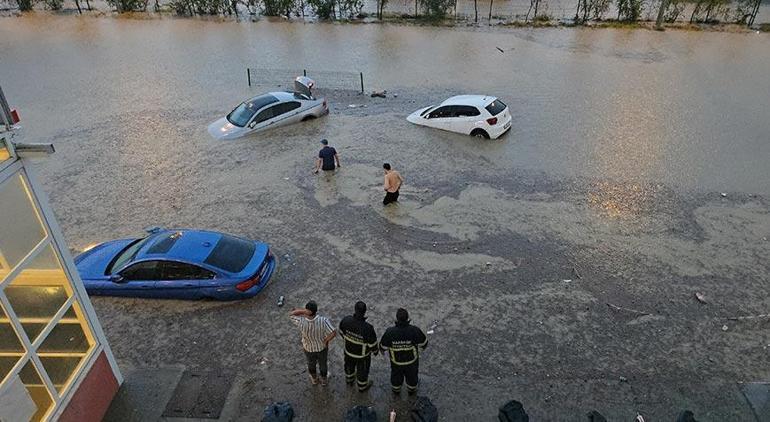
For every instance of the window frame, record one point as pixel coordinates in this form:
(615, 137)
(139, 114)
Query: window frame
(77, 301)
(449, 115)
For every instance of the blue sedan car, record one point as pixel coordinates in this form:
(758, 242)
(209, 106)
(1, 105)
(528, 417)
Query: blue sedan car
(177, 264)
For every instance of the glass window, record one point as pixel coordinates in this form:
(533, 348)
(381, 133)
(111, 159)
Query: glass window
(37, 390)
(38, 292)
(11, 349)
(243, 113)
(4, 153)
(441, 112)
(21, 229)
(145, 270)
(173, 270)
(286, 107)
(128, 254)
(231, 254)
(496, 107)
(65, 347)
(265, 114)
(466, 111)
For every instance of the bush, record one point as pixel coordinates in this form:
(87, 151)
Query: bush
(53, 4)
(350, 8)
(24, 5)
(324, 9)
(436, 9)
(128, 5)
(630, 10)
(277, 7)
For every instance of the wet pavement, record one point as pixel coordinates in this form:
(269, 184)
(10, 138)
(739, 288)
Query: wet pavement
(560, 261)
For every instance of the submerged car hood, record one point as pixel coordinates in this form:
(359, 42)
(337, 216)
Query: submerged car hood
(223, 129)
(93, 263)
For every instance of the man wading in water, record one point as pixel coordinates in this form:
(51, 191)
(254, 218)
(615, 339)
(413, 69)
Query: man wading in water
(393, 181)
(327, 160)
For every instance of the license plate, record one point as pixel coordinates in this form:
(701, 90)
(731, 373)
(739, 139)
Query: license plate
(507, 125)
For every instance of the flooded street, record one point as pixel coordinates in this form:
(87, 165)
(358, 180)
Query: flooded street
(607, 191)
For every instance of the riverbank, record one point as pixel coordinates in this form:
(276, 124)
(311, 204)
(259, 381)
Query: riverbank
(405, 19)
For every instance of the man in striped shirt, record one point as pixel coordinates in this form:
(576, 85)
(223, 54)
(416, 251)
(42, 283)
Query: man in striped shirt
(317, 331)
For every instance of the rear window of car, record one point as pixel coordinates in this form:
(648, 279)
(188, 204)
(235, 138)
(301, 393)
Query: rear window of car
(231, 254)
(496, 107)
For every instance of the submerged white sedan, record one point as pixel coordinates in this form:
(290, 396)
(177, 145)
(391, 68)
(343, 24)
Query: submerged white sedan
(270, 110)
(476, 115)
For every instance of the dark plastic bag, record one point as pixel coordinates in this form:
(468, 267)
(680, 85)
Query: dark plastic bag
(278, 412)
(361, 414)
(594, 416)
(512, 411)
(686, 416)
(423, 410)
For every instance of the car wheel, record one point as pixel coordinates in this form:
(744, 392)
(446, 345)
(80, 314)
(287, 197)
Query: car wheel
(480, 133)
(308, 117)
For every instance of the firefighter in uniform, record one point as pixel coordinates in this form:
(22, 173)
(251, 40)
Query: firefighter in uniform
(360, 342)
(402, 342)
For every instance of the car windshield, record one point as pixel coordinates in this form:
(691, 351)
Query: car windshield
(231, 254)
(496, 107)
(245, 111)
(128, 254)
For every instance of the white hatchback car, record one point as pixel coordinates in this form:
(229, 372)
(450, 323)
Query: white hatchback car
(476, 115)
(270, 110)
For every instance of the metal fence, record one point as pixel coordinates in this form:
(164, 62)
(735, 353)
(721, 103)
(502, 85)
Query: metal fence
(324, 79)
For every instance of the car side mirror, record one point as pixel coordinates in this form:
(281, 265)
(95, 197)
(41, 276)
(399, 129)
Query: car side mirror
(117, 278)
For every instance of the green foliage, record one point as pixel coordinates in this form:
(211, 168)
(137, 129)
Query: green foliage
(350, 8)
(436, 9)
(710, 11)
(630, 10)
(128, 5)
(324, 9)
(746, 11)
(24, 5)
(277, 7)
(543, 17)
(53, 4)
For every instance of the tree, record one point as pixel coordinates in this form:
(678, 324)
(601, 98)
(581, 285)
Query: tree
(435, 9)
(475, 11)
(746, 11)
(127, 5)
(532, 4)
(490, 11)
(324, 9)
(24, 5)
(380, 8)
(629, 10)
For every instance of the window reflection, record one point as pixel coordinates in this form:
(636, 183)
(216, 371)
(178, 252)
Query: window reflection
(38, 292)
(37, 390)
(21, 229)
(11, 349)
(65, 347)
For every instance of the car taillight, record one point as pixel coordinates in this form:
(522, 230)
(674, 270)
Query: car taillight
(246, 285)
(492, 121)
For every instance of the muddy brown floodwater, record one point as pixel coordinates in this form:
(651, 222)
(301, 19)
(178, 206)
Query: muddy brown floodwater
(622, 143)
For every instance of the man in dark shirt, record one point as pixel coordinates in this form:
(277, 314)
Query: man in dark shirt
(402, 342)
(360, 343)
(328, 160)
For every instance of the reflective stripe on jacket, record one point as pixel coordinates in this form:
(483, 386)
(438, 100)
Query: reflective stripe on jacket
(402, 342)
(359, 336)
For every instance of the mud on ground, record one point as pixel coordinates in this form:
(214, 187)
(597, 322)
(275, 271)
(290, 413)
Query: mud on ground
(566, 294)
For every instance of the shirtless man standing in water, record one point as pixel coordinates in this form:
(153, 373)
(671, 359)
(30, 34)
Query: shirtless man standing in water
(393, 181)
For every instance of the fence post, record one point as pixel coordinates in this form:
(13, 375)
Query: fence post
(362, 81)
(304, 72)
(248, 75)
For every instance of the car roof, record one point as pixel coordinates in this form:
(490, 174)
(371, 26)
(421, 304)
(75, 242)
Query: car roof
(285, 96)
(262, 100)
(472, 100)
(185, 245)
